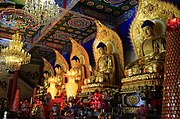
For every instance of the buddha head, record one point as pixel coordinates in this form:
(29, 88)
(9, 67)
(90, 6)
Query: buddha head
(148, 28)
(101, 48)
(75, 61)
(46, 74)
(58, 69)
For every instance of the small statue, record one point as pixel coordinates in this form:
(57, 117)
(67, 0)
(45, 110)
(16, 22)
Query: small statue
(53, 80)
(105, 67)
(61, 67)
(73, 75)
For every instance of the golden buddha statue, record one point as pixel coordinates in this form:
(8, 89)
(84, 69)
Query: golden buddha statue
(61, 67)
(152, 52)
(153, 45)
(113, 48)
(73, 75)
(49, 79)
(109, 60)
(52, 79)
(82, 62)
(105, 67)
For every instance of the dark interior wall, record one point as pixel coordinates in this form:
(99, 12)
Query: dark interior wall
(124, 27)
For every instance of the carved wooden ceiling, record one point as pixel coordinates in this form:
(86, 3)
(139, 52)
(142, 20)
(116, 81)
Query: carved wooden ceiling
(77, 23)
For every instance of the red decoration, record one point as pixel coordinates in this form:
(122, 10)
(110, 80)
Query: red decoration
(170, 103)
(173, 23)
(16, 102)
(96, 100)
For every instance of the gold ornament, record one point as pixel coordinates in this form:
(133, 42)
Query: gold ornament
(133, 99)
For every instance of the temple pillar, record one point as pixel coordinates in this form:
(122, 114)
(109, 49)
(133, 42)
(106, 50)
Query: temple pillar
(14, 87)
(171, 91)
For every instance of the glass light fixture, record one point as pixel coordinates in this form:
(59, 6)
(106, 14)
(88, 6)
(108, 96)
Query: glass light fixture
(42, 11)
(14, 56)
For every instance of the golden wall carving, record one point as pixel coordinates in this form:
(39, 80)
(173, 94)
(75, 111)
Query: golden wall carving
(158, 12)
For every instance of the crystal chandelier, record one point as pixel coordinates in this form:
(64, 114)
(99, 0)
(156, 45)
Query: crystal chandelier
(42, 11)
(14, 56)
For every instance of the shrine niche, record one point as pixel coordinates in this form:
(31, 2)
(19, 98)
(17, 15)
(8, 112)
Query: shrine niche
(142, 86)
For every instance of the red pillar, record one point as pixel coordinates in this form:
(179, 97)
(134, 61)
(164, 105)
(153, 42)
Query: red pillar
(16, 102)
(171, 91)
(9, 90)
(33, 96)
(64, 5)
(14, 87)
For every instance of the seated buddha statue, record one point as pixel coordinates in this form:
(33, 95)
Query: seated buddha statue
(153, 46)
(105, 67)
(73, 75)
(152, 52)
(153, 49)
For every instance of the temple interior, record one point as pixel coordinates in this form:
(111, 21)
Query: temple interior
(94, 59)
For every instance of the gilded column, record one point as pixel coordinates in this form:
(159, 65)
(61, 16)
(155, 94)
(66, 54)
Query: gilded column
(171, 91)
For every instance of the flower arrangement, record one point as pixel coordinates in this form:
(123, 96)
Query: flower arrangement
(96, 100)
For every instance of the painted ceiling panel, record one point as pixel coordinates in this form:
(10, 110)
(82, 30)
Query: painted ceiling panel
(115, 7)
(12, 19)
(72, 25)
